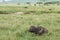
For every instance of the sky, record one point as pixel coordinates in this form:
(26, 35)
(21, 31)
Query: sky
(29, 0)
(5, 0)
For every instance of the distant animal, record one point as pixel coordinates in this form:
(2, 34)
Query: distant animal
(38, 30)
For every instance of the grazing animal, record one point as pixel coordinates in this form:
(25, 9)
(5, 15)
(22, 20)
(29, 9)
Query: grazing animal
(38, 30)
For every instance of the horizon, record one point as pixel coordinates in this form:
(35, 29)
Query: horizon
(24, 1)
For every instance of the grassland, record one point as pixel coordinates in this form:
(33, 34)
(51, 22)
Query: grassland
(36, 9)
(15, 27)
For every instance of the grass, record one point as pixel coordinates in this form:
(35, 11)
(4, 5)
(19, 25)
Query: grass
(15, 27)
(36, 9)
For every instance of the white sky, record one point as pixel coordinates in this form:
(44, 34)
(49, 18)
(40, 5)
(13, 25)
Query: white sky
(5, 0)
(20, 0)
(0, 0)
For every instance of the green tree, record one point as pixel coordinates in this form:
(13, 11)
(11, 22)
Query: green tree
(39, 3)
(43, 1)
(28, 3)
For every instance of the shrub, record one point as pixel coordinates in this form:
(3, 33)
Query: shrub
(3, 12)
(25, 7)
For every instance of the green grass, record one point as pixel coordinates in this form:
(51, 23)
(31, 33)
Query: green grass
(15, 27)
(36, 9)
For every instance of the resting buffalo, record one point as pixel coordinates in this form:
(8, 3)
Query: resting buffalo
(38, 30)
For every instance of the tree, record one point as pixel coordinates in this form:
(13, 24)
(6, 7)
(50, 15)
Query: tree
(43, 1)
(18, 3)
(54, 2)
(39, 3)
(34, 4)
(28, 3)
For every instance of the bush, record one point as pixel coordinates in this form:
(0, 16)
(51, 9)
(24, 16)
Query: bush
(32, 11)
(27, 12)
(3, 12)
(25, 7)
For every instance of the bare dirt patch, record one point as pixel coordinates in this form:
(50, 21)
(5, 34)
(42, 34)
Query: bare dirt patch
(19, 13)
(23, 13)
